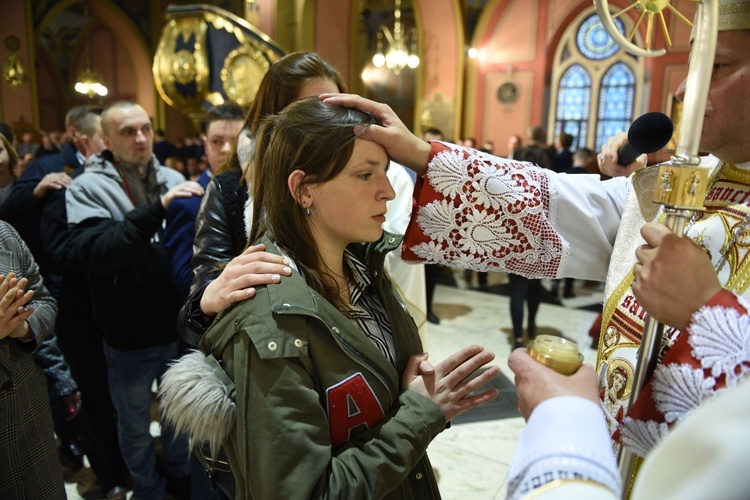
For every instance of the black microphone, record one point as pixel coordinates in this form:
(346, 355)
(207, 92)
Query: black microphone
(648, 134)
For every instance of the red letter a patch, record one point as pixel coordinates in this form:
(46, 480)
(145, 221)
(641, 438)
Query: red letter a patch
(350, 404)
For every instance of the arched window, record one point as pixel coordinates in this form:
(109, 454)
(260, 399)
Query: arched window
(595, 90)
(616, 102)
(573, 98)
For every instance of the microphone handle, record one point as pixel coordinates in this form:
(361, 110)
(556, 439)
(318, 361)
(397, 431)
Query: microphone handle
(626, 154)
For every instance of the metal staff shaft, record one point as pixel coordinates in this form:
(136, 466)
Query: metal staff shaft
(682, 184)
(652, 342)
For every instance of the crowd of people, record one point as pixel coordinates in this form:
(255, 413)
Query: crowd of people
(308, 377)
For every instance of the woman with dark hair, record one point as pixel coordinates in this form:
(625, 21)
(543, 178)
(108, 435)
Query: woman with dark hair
(324, 388)
(8, 161)
(222, 227)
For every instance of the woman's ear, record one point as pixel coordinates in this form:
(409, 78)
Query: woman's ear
(298, 188)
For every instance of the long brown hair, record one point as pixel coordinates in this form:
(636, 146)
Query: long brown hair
(280, 87)
(318, 139)
(12, 156)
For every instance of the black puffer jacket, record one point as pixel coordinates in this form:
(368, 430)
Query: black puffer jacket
(220, 235)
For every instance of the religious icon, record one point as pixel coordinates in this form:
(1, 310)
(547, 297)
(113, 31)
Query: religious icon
(692, 185)
(610, 336)
(665, 188)
(615, 383)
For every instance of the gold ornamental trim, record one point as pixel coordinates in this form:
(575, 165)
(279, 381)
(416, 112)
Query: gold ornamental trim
(243, 70)
(182, 67)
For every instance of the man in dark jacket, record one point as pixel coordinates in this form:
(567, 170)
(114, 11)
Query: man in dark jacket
(41, 190)
(23, 208)
(116, 212)
(79, 337)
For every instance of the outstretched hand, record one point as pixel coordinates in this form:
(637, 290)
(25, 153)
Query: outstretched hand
(398, 141)
(183, 190)
(13, 314)
(54, 181)
(251, 268)
(673, 277)
(536, 383)
(608, 158)
(448, 385)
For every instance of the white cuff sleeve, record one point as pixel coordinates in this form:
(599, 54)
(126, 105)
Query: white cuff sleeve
(565, 438)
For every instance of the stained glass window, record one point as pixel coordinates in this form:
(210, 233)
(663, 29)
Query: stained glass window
(595, 87)
(573, 102)
(594, 42)
(616, 102)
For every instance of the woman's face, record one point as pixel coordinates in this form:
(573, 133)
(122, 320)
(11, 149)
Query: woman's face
(351, 207)
(4, 156)
(618, 382)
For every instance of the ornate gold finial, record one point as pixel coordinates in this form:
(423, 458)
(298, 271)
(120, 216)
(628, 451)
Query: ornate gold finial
(682, 187)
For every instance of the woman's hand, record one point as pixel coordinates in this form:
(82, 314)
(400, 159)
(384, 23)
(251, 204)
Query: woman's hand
(447, 384)
(608, 158)
(536, 383)
(13, 314)
(251, 268)
(398, 141)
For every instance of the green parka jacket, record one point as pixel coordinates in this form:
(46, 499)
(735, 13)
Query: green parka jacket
(320, 411)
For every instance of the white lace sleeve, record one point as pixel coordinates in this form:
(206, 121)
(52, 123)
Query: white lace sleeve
(482, 212)
(565, 438)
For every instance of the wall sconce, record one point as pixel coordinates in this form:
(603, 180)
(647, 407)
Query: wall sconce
(13, 71)
(402, 47)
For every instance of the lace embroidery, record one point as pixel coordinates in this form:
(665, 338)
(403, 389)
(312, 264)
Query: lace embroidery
(720, 338)
(494, 215)
(679, 388)
(720, 341)
(641, 436)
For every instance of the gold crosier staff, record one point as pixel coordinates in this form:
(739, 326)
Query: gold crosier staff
(681, 188)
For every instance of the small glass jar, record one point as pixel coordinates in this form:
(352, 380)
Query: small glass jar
(557, 353)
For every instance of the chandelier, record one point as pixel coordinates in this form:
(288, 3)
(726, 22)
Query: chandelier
(402, 46)
(89, 79)
(13, 71)
(89, 83)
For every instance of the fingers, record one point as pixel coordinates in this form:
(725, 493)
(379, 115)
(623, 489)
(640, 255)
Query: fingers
(461, 394)
(5, 283)
(455, 360)
(519, 361)
(412, 370)
(258, 255)
(654, 233)
(238, 280)
(13, 296)
(183, 190)
(426, 369)
(467, 366)
(187, 189)
(608, 158)
(357, 102)
(254, 248)
(254, 268)
(469, 385)
(58, 180)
